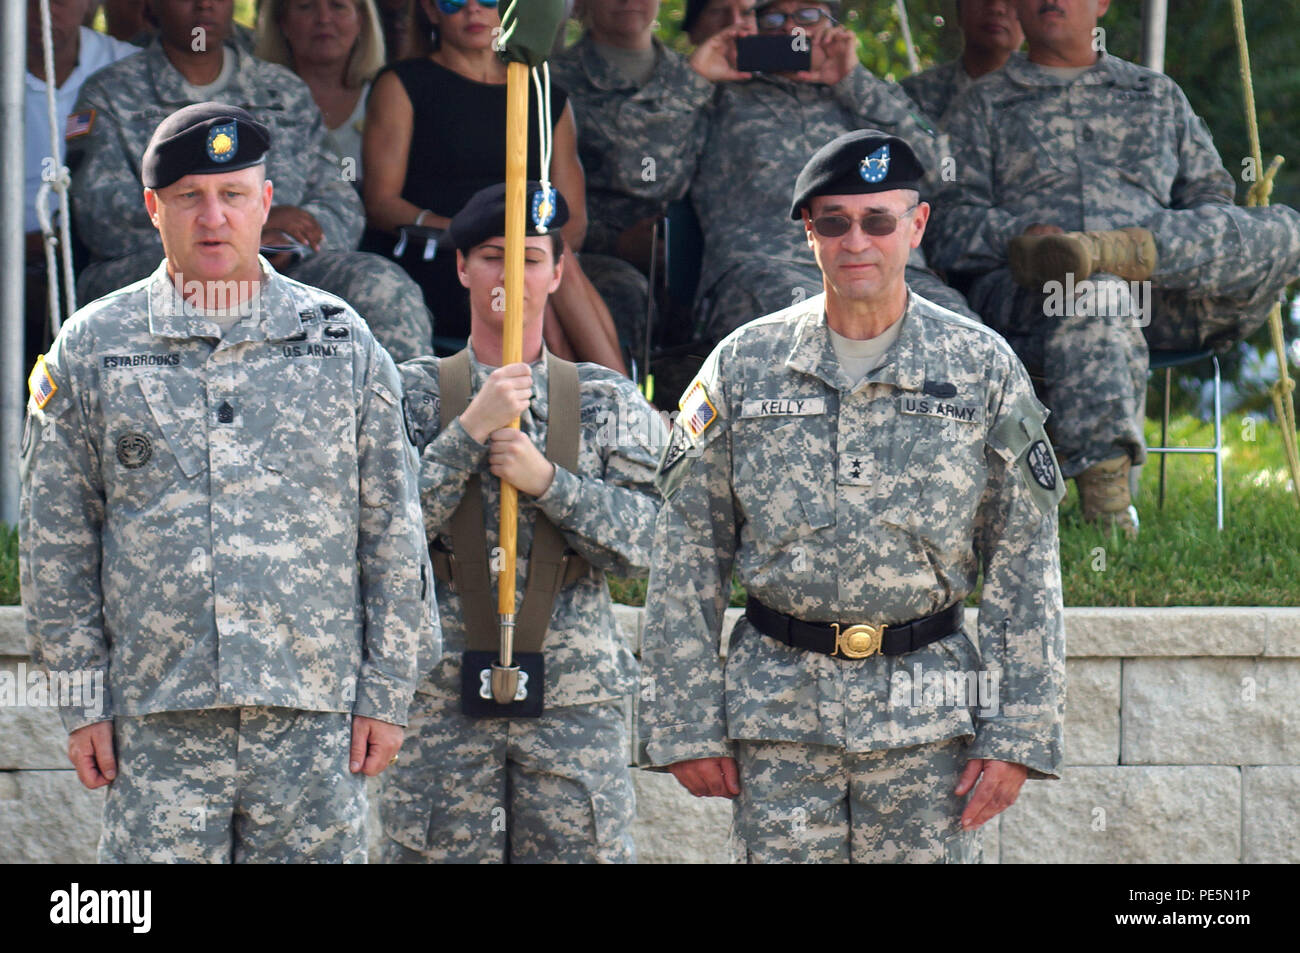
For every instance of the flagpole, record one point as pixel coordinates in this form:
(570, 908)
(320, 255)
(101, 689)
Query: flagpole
(505, 674)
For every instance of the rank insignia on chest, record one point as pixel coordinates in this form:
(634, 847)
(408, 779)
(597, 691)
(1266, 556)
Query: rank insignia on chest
(41, 384)
(875, 166)
(697, 411)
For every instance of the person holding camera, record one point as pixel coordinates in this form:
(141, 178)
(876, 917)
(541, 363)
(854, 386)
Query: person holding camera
(768, 116)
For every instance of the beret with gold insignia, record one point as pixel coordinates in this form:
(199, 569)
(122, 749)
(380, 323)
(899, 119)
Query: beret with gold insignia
(203, 139)
(484, 215)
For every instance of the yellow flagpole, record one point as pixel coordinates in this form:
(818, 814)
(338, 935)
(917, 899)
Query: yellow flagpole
(505, 675)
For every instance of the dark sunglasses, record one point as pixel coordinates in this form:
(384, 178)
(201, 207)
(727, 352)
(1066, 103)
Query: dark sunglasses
(452, 7)
(879, 224)
(776, 20)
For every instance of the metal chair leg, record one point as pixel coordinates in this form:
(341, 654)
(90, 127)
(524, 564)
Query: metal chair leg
(1164, 438)
(1218, 444)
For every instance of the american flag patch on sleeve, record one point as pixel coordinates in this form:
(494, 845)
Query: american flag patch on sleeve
(79, 124)
(698, 412)
(41, 384)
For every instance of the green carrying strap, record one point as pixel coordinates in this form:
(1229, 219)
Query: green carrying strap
(551, 565)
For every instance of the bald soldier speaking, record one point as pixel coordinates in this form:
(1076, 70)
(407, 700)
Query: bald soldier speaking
(858, 460)
(220, 521)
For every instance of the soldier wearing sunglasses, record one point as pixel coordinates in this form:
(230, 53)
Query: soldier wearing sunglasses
(858, 460)
(762, 127)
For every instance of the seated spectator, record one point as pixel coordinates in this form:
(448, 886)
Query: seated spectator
(1091, 219)
(135, 22)
(435, 135)
(335, 47)
(991, 33)
(317, 217)
(762, 129)
(640, 110)
(125, 20)
(704, 18)
(78, 52)
(395, 21)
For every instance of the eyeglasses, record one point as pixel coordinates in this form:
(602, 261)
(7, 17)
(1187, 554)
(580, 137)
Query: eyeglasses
(879, 224)
(453, 7)
(776, 20)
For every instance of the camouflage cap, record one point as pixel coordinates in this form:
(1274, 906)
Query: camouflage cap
(484, 215)
(856, 163)
(203, 139)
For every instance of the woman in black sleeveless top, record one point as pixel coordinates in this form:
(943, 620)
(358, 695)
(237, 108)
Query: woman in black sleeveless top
(435, 135)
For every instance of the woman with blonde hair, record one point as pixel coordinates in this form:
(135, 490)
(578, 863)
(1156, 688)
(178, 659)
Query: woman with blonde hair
(335, 47)
(435, 135)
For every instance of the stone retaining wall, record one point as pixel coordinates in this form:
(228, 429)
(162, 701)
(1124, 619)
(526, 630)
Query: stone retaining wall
(1182, 744)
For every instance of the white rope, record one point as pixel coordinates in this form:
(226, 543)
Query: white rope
(913, 61)
(542, 83)
(59, 185)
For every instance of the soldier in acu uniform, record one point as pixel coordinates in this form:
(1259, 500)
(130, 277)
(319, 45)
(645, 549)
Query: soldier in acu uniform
(220, 518)
(553, 786)
(316, 206)
(991, 33)
(858, 460)
(640, 111)
(1090, 216)
(762, 127)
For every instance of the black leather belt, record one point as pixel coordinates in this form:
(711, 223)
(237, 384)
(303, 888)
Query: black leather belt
(853, 640)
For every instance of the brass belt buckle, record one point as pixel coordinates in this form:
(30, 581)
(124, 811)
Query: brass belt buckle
(858, 641)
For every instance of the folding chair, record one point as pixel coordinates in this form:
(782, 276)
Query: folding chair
(1167, 361)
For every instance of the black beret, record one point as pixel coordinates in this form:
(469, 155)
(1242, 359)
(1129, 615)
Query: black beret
(857, 163)
(484, 215)
(200, 140)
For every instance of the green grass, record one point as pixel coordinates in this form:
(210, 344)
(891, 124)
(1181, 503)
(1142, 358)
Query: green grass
(1179, 558)
(8, 565)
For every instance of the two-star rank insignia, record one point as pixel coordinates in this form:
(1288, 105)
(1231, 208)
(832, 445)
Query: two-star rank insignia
(875, 165)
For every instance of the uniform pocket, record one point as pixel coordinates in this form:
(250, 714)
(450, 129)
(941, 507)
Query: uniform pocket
(787, 501)
(149, 447)
(964, 848)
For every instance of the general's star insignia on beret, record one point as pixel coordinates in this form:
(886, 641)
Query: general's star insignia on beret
(875, 166)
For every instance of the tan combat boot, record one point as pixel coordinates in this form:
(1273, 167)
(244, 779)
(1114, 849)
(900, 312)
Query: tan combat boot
(1104, 494)
(1129, 253)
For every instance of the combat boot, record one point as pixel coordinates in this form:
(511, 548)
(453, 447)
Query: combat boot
(1104, 494)
(1129, 253)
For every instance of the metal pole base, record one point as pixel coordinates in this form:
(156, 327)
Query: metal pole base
(505, 683)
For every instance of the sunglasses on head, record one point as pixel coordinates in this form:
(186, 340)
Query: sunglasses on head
(879, 224)
(452, 7)
(807, 16)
